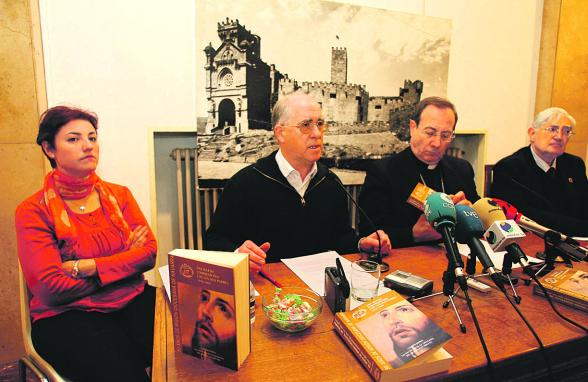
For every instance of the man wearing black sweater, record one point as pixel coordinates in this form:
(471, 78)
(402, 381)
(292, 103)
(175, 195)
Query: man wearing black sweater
(542, 181)
(287, 204)
(390, 181)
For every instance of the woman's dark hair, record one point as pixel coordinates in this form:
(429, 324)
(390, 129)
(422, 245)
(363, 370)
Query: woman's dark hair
(54, 118)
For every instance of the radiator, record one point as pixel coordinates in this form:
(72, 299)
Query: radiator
(196, 205)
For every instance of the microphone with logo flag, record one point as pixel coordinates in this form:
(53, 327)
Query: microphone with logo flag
(501, 234)
(440, 213)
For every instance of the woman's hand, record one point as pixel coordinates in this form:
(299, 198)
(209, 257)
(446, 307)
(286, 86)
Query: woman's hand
(86, 268)
(137, 237)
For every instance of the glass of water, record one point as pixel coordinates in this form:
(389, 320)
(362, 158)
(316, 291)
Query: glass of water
(365, 279)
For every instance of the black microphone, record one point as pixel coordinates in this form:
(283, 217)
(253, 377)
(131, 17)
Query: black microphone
(440, 213)
(531, 191)
(378, 258)
(468, 231)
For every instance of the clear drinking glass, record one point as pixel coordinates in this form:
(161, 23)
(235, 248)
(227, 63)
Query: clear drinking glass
(365, 279)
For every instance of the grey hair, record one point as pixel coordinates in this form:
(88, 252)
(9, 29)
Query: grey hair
(281, 110)
(544, 115)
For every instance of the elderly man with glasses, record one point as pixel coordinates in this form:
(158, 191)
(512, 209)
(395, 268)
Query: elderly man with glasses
(542, 181)
(286, 204)
(390, 181)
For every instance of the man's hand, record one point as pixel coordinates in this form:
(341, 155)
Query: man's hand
(460, 198)
(370, 243)
(256, 254)
(423, 231)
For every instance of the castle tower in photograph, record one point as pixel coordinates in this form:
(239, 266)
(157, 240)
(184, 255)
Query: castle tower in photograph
(339, 65)
(239, 84)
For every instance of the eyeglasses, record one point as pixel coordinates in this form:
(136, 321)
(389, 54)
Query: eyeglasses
(306, 126)
(555, 129)
(446, 136)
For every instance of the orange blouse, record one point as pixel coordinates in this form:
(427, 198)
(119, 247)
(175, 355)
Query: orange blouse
(119, 271)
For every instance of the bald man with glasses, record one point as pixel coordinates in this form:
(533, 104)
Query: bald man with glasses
(390, 181)
(287, 204)
(544, 182)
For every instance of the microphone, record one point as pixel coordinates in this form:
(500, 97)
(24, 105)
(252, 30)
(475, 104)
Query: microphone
(531, 191)
(468, 231)
(378, 258)
(440, 213)
(530, 225)
(511, 212)
(501, 234)
(465, 231)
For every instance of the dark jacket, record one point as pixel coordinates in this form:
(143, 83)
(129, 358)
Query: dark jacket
(390, 181)
(259, 204)
(556, 201)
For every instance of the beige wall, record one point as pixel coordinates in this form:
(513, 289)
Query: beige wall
(22, 163)
(563, 77)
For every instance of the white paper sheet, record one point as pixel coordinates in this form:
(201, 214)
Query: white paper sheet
(496, 257)
(164, 273)
(311, 270)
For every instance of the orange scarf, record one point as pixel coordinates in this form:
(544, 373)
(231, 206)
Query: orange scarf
(59, 185)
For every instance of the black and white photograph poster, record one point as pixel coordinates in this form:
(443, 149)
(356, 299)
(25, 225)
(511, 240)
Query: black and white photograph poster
(366, 67)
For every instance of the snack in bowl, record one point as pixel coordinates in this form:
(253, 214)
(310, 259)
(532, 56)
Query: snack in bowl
(292, 309)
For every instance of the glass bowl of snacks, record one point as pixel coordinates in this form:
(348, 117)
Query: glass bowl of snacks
(292, 309)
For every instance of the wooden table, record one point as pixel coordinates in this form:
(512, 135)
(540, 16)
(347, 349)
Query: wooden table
(318, 354)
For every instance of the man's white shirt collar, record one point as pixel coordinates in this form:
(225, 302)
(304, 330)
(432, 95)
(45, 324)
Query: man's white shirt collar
(540, 162)
(292, 175)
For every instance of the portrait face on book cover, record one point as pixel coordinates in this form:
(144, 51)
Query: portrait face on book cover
(411, 331)
(211, 327)
(577, 283)
(214, 329)
(401, 333)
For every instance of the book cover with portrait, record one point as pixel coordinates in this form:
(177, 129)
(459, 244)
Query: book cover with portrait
(393, 339)
(567, 286)
(210, 305)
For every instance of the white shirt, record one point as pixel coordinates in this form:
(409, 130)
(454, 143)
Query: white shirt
(293, 176)
(540, 162)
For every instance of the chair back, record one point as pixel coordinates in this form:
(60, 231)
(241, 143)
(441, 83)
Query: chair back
(39, 366)
(488, 178)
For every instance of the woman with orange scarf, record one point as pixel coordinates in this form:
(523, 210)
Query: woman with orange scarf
(83, 245)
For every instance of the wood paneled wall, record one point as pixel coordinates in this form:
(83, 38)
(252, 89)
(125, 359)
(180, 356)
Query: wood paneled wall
(22, 169)
(563, 69)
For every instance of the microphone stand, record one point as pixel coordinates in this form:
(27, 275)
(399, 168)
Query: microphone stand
(377, 256)
(450, 291)
(506, 271)
(455, 273)
(553, 249)
(450, 276)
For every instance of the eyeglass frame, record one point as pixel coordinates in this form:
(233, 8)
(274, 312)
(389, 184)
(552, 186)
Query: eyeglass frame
(551, 130)
(307, 129)
(435, 133)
